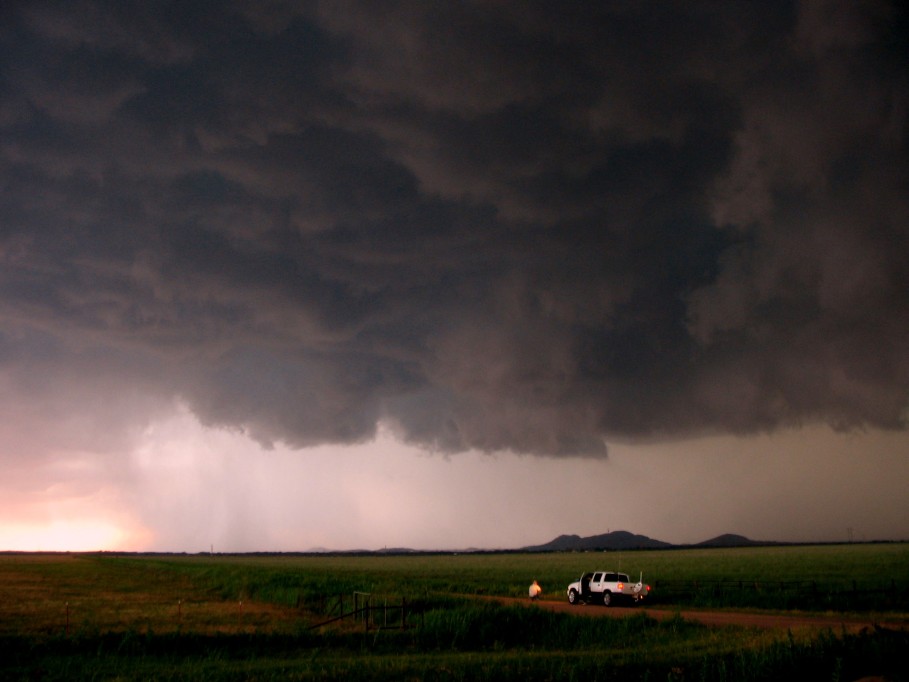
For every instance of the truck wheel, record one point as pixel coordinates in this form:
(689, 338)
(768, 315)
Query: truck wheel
(607, 598)
(573, 597)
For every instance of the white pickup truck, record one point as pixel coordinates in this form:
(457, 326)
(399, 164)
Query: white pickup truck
(606, 587)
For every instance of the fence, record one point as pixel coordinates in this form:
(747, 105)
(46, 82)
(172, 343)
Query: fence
(382, 616)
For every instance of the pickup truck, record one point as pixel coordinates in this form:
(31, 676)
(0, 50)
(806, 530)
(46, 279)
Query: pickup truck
(606, 587)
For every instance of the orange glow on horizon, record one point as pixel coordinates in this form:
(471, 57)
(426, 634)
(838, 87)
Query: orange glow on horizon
(78, 535)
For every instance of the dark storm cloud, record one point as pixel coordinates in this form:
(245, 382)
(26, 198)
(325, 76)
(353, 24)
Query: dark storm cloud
(493, 226)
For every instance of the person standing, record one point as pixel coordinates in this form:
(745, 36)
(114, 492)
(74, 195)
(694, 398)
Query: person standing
(535, 590)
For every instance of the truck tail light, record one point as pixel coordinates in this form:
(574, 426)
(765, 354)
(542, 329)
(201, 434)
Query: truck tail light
(620, 586)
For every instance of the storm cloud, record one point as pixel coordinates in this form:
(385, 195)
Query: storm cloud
(538, 227)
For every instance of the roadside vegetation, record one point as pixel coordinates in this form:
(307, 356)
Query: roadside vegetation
(182, 617)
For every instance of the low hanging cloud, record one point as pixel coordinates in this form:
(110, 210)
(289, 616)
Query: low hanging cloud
(486, 226)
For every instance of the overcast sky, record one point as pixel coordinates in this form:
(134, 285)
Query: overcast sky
(283, 275)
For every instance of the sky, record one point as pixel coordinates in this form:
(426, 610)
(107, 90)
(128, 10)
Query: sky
(278, 276)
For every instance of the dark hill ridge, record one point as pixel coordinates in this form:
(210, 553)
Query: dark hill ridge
(727, 540)
(621, 539)
(615, 541)
(732, 540)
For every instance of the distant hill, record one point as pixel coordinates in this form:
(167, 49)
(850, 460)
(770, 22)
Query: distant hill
(731, 540)
(618, 539)
(621, 539)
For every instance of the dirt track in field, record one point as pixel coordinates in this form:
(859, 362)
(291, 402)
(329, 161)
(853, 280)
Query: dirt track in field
(718, 618)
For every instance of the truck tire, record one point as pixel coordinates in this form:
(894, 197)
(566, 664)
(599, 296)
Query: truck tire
(573, 597)
(607, 598)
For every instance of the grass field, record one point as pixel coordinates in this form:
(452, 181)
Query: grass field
(101, 616)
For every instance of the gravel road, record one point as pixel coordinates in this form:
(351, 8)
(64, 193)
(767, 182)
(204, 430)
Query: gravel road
(719, 618)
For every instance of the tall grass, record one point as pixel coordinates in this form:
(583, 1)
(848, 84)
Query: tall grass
(470, 641)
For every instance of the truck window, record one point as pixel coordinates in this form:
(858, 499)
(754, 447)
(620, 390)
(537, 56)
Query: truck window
(611, 578)
(597, 577)
(624, 578)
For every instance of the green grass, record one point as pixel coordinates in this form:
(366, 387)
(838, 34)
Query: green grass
(834, 569)
(249, 617)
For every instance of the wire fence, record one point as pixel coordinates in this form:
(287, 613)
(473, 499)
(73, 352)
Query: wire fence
(371, 612)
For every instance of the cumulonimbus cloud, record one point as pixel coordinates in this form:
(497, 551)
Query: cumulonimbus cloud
(487, 227)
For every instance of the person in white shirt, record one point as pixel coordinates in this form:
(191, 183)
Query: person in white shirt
(535, 590)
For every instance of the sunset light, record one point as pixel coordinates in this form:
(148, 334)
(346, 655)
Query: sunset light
(64, 536)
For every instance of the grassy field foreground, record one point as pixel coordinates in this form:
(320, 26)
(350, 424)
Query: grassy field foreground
(101, 616)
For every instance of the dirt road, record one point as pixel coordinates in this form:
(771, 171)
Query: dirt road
(719, 618)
